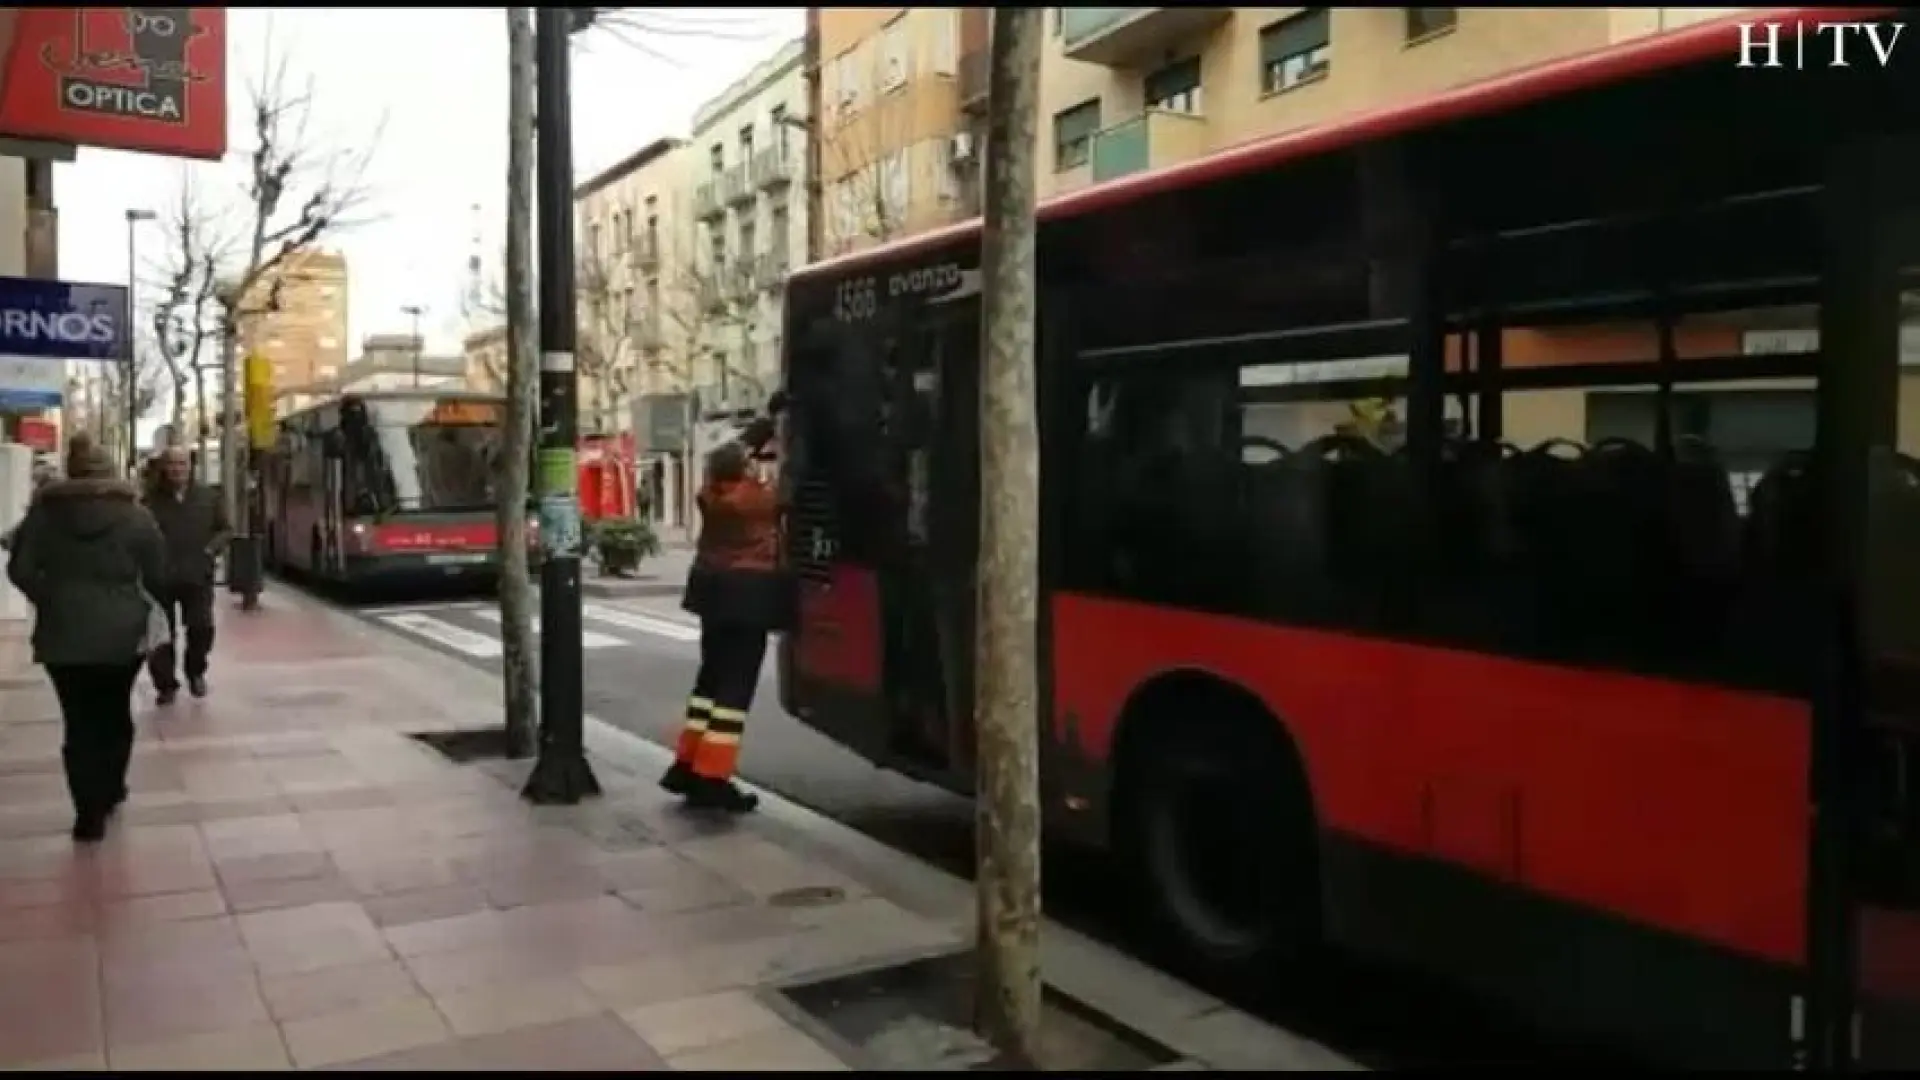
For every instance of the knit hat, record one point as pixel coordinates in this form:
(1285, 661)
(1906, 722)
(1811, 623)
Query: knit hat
(85, 460)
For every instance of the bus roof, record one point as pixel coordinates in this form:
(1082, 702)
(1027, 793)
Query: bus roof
(1500, 93)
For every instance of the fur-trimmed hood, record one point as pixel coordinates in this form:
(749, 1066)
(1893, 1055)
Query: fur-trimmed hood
(86, 508)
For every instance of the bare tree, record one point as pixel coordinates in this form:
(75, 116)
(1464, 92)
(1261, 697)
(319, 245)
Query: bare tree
(1007, 823)
(605, 353)
(186, 315)
(866, 152)
(297, 193)
(512, 466)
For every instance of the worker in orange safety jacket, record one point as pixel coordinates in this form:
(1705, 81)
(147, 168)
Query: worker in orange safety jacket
(737, 589)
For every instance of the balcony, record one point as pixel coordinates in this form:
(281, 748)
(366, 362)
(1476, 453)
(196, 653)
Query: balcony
(1121, 37)
(739, 185)
(973, 79)
(713, 292)
(770, 270)
(708, 200)
(1148, 141)
(773, 168)
(647, 332)
(645, 253)
(740, 283)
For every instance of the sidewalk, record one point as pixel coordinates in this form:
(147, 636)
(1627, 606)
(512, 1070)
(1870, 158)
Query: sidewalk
(660, 579)
(295, 883)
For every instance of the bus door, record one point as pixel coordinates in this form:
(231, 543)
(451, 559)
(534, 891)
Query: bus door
(927, 422)
(1866, 865)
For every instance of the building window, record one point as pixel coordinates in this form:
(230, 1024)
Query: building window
(746, 144)
(777, 125)
(1175, 87)
(1423, 22)
(944, 48)
(1294, 50)
(844, 82)
(329, 342)
(895, 54)
(1073, 132)
(895, 188)
(717, 158)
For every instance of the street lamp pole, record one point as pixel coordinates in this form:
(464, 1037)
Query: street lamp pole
(419, 345)
(562, 775)
(134, 217)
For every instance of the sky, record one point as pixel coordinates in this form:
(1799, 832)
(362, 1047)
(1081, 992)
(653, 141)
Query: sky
(432, 86)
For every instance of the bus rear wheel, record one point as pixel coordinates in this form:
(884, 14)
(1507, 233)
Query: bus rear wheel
(1220, 838)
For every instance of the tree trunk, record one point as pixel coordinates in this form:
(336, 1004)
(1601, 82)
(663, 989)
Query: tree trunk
(1007, 816)
(516, 458)
(199, 415)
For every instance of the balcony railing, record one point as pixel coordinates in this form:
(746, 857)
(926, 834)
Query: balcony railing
(1154, 138)
(739, 184)
(1118, 37)
(773, 168)
(973, 78)
(770, 270)
(708, 201)
(645, 252)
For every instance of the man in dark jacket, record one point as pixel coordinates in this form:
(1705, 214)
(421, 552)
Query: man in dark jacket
(81, 557)
(195, 526)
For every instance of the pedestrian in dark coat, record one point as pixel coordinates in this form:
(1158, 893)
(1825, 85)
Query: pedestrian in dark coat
(738, 591)
(194, 522)
(84, 556)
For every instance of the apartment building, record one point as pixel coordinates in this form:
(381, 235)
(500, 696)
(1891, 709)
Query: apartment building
(630, 259)
(747, 164)
(887, 102)
(301, 325)
(1128, 89)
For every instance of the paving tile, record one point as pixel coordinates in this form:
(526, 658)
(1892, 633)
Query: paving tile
(491, 1007)
(289, 893)
(480, 929)
(288, 941)
(251, 837)
(450, 972)
(336, 989)
(364, 1032)
(677, 1027)
(141, 911)
(249, 1049)
(283, 866)
(143, 1012)
(63, 920)
(86, 1061)
(599, 1043)
(424, 905)
(783, 1049)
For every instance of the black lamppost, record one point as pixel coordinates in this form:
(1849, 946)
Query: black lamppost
(562, 774)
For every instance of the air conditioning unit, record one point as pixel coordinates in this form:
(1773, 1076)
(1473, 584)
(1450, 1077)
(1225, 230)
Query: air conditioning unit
(960, 148)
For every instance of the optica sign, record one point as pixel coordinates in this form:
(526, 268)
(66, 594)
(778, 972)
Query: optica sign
(152, 79)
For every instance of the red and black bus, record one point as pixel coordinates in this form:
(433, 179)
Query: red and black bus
(1483, 534)
(386, 486)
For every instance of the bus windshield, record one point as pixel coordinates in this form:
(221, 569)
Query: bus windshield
(434, 454)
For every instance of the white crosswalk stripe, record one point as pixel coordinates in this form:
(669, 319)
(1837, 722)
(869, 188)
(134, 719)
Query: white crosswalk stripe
(647, 624)
(445, 633)
(442, 625)
(588, 638)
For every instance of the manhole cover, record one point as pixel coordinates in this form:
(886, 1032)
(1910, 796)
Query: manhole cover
(807, 896)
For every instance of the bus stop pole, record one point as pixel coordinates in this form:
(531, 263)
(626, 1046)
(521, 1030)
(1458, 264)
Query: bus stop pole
(562, 775)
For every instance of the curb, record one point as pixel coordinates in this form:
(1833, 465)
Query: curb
(1202, 1029)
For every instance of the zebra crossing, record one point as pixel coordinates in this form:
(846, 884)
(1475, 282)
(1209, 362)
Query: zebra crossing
(472, 628)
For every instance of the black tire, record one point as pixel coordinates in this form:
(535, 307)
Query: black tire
(1219, 837)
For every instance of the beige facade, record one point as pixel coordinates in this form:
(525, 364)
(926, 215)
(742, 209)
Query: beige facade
(631, 253)
(1128, 89)
(888, 106)
(747, 164)
(302, 327)
(485, 355)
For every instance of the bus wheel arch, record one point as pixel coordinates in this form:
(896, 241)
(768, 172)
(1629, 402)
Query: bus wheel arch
(1189, 743)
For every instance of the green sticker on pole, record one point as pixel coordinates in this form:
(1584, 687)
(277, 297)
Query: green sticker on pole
(559, 471)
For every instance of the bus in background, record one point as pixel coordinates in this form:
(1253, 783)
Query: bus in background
(1441, 557)
(390, 486)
